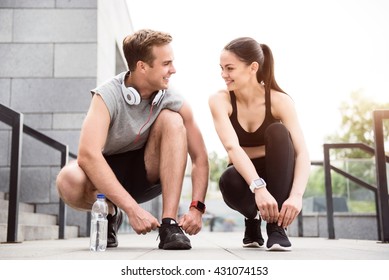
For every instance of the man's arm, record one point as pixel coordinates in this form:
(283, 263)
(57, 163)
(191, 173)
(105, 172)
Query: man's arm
(91, 160)
(192, 222)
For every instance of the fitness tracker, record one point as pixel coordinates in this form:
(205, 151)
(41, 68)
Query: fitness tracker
(257, 184)
(198, 205)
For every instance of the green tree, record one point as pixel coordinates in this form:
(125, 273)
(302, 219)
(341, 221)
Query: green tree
(216, 165)
(357, 124)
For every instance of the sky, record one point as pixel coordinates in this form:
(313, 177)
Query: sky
(323, 51)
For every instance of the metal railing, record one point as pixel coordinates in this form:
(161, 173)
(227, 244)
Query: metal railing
(380, 191)
(382, 180)
(15, 121)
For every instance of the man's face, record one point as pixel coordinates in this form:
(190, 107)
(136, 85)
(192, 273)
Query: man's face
(158, 74)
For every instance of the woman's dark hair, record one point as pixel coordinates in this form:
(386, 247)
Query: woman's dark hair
(248, 50)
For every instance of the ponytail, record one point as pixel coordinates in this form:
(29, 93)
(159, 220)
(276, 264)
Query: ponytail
(266, 74)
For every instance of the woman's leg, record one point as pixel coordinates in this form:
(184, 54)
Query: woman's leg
(280, 161)
(237, 194)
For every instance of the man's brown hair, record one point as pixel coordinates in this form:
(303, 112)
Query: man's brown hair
(139, 45)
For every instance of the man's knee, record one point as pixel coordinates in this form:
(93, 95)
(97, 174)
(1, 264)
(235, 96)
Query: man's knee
(69, 182)
(170, 121)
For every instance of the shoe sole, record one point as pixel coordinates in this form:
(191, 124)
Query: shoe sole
(176, 246)
(252, 245)
(278, 247)
(112, 245)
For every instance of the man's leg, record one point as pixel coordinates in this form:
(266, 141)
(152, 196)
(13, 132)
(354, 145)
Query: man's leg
(74, 187)
(166, 158)
(77, 191)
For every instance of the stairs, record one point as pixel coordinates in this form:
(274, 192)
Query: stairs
(32, 226)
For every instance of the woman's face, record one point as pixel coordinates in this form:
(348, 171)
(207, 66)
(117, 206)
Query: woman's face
(235, 72)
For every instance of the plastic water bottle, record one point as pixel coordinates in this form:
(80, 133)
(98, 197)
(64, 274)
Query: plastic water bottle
(99, 224)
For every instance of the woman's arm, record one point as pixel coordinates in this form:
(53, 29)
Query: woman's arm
(283, 108)
(220, 107)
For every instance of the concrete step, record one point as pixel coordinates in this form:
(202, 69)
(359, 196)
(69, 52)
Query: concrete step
(28, 218)
(37, 232)
(23, 207)
(32, 226)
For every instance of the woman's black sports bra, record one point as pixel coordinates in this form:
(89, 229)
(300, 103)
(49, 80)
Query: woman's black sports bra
(256, 138)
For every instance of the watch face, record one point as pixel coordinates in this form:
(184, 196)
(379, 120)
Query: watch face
(201, 205)
(198, 205)
(259, 182)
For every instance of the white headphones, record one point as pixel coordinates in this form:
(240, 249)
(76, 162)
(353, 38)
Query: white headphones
(132, 96)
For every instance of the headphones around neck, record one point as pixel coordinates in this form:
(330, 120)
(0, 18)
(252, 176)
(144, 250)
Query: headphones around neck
(132, 96)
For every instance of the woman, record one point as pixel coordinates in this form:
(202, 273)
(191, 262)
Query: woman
(268, 159)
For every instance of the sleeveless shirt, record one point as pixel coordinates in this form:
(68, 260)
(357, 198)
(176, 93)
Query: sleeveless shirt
(127, 121)
(256, 138)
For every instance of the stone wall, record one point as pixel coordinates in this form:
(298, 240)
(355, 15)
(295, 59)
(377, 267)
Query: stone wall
(52, 53)
(347, 226)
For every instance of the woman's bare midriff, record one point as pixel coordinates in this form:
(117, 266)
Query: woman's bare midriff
(254, 152)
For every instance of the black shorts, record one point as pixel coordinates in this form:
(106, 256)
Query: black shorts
(130, 170)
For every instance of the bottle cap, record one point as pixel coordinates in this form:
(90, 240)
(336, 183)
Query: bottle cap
(100, 195)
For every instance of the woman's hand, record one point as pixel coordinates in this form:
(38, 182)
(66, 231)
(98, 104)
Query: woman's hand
(289, 210)
(267, 205)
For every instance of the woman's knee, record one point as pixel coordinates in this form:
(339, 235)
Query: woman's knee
(236, 193)
(277, 133)
(231, 180)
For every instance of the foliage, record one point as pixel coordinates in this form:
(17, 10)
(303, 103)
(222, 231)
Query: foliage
(362, 206)
(315, 186)
(216, 165)
(357, 124)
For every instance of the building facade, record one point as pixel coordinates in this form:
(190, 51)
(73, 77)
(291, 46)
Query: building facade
(52, 53)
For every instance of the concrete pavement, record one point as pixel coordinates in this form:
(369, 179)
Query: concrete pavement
(205, 246)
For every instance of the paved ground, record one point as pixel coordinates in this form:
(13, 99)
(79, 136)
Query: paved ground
(205, 246)
(213, 256)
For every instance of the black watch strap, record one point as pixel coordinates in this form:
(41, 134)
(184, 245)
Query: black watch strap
(198, 205)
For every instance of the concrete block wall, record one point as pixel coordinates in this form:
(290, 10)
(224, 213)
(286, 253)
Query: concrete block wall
(50, 51)
(347, 226)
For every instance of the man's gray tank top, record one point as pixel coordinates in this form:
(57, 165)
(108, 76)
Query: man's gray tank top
(127, 120)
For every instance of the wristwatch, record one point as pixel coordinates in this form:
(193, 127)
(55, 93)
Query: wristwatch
(198, 205)
(257, 184)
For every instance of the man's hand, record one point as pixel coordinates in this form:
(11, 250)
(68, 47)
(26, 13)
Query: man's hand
(191, 222)
(142, 221)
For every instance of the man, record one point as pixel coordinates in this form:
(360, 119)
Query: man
(134, 144)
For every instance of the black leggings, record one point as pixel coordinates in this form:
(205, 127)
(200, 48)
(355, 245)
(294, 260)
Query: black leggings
(276, 168)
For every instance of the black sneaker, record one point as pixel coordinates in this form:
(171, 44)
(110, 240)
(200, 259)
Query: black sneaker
(114, 223)
(172, 237)
(277, 238)
(252, 234)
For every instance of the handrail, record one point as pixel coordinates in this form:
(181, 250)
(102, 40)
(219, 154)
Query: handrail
(380, 191)
(15, 120)
(64, 150)
(382, 182)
